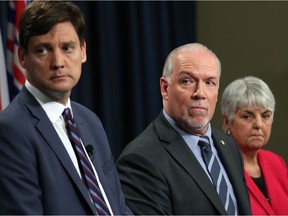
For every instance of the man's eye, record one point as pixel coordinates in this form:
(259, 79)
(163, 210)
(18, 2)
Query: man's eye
(185, 81)
(41, 51)
(209, 82)
(69, 48)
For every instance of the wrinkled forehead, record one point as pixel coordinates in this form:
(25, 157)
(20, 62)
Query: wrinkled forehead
(197, 61)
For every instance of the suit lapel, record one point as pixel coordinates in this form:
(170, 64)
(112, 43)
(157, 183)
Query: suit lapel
(236, 176)
(225, 155)
(47, 131)
(181, 153)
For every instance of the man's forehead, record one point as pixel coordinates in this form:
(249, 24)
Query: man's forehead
(196, 61)
(66, 34)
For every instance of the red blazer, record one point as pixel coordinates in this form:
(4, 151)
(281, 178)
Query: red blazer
(275, 175)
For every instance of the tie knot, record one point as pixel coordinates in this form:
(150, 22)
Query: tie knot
(67, 114)
(204, 142)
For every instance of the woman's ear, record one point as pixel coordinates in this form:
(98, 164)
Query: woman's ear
(226, 123)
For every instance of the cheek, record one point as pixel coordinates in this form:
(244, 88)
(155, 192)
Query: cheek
(174, 94)
(178, 101)
(213, 103)
(182, 99)
(239, 136)
(31, 68)
(240, 131)
(212, 96)
(267, 131)
(36, 64)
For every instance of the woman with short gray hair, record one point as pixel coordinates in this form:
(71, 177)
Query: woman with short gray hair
(248, 107)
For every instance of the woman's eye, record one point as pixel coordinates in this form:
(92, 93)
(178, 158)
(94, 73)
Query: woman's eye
(266, 116)
(246, 116)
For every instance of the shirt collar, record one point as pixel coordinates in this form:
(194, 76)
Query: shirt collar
(184, 133)
(53, 109)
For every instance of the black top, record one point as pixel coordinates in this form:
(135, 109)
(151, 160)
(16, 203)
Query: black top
(259, 181)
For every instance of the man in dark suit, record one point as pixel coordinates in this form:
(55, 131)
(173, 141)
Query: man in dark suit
(163, 170)
(40, 171)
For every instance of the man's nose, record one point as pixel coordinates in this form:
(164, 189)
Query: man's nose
(199, 91)
(57, 60)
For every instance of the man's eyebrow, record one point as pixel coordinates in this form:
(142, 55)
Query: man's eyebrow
(69, 42)
(192, 75)
(42, 44)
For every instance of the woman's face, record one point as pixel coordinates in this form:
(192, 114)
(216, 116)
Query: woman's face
(251, 128)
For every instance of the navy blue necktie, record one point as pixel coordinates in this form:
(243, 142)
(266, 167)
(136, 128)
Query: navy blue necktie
(216, 174)
(85, 165)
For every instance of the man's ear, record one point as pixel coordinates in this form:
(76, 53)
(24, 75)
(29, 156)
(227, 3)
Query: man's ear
(83, 50)
(21, 57)
(164, 88)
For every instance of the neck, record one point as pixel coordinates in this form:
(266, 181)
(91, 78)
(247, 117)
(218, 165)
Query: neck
(251, 165)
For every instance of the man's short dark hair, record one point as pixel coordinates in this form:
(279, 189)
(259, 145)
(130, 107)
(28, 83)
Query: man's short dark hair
(41, 16)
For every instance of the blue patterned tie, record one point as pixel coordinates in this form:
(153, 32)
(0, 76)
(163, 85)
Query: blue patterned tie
(216, 174)
(85, 164)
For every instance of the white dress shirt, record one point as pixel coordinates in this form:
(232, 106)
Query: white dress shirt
(54, 112)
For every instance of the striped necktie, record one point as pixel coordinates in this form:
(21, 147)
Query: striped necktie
(85, 165)
(216, 174)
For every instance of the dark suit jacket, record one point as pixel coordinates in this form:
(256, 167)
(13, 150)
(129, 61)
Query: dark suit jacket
(161, 176)
(37, 175)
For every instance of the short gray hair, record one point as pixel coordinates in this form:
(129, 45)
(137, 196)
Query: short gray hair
(191, 47)
(247, 91)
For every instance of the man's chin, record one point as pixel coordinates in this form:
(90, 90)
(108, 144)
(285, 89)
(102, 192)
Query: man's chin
(198, 124)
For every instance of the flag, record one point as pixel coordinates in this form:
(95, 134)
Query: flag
(15, 75)
(4, 93)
